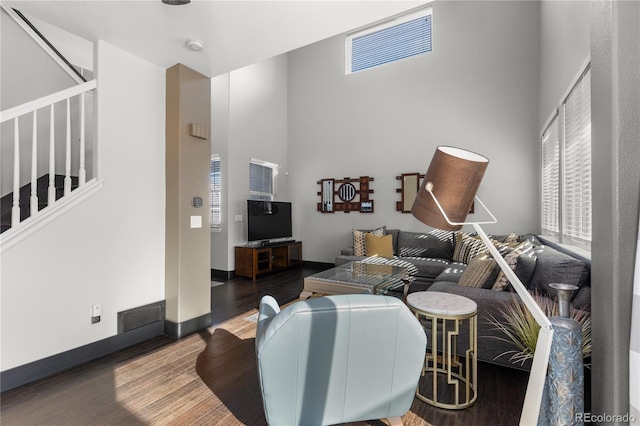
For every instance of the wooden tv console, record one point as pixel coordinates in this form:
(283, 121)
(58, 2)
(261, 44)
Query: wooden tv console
(254, 261)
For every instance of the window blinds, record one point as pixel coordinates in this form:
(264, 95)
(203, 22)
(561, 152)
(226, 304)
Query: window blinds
(261, 181)
(401, 38)
(577, 162)
(566, 168)
(551, 179)
(215, 187)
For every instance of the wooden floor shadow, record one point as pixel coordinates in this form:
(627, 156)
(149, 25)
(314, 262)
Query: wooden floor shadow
(228, 367)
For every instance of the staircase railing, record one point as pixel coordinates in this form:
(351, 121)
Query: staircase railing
(32, 108)
(42, 41)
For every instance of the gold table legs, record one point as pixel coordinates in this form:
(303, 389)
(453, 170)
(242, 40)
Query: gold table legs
(443, 366)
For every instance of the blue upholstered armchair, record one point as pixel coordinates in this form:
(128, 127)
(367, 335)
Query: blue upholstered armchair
(338, 359)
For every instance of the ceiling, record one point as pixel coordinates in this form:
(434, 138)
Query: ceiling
(235, 33)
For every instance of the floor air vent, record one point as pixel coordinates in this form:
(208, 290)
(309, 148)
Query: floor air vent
(140, 316)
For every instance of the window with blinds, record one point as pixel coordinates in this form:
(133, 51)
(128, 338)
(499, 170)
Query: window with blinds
(400, 38)
(215, 187)
(551, 179)
(262, 180)
(566, 168)
(577, 163)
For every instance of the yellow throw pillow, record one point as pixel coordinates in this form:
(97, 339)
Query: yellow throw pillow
(379, 246)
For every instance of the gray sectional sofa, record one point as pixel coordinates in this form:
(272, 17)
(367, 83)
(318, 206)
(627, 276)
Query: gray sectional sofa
(441, 259)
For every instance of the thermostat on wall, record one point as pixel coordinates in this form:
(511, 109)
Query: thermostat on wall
(196, 202)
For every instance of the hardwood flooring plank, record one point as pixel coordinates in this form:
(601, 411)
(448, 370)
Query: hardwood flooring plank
(210, 377)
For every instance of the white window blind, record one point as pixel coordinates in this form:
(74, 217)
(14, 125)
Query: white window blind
(399, 38)
(215, 187)
(262, 180)
(551, 179)
(566, 168)
(577, 163)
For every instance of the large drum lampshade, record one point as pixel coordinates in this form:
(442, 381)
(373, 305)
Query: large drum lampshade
(453, 176)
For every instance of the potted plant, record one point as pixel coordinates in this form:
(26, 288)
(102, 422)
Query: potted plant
(520, 328)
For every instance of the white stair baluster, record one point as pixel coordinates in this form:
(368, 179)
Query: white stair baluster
(67, 167)
(15, 210)
(52, 158)
(33, 201)
(82, 172)
(14, 114)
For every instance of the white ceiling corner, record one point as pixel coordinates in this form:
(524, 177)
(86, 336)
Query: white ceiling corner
(235, 33)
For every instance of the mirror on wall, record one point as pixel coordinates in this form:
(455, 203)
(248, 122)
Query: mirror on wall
(326, 195)
(410, 184)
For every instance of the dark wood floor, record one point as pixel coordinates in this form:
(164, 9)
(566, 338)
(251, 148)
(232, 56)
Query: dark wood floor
(209, 378)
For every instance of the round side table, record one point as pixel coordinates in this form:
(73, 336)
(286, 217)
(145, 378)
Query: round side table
(446, 313)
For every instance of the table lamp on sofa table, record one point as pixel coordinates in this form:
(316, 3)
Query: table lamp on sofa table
(443, 201)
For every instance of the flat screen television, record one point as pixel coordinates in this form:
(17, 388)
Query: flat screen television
(268, 220)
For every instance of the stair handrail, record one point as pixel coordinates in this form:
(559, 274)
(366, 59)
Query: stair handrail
(42, 41)
(44, 101)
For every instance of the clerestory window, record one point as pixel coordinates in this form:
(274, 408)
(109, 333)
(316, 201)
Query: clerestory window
(262, 180)
(399, 38)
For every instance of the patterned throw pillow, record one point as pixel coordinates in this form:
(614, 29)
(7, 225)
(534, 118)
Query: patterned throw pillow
(467, 247)
(481, 272)
(512, 239)
(360, 242)
(379, 246)
(502, 282)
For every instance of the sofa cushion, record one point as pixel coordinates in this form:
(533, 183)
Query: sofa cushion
(502, 282)
(360, 242)
(481, 272)
(434, 245)
(582, 298)
(452, 273)
(525, 266)
(553, 266)
(379, 246)
(428, 268)
(394, 234)
(467, 247)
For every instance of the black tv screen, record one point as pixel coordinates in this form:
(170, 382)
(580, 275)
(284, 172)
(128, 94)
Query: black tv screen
(267, 220)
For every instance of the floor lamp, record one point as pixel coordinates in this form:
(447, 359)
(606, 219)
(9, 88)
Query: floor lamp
(443, 201)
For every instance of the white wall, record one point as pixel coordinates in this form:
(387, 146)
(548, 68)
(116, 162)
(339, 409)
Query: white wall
(109, 249)
(249, 119)
(29, 73)
(478, 90)
(564, 48)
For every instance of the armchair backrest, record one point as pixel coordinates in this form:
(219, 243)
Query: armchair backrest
(338, 359)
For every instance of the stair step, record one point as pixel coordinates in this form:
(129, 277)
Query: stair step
(6, 202)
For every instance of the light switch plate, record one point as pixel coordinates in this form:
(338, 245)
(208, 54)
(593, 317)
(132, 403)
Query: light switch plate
(238, 218)
(196, 221)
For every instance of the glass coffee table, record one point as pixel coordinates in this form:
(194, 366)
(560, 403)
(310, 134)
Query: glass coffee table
(355, 277)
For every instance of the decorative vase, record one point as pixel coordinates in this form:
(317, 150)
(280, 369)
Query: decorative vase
(565, 379)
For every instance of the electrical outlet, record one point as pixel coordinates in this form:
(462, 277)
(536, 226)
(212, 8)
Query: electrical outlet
(95, 313)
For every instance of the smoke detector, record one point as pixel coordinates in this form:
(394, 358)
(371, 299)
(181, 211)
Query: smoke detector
(176, 2)
(194, 44)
